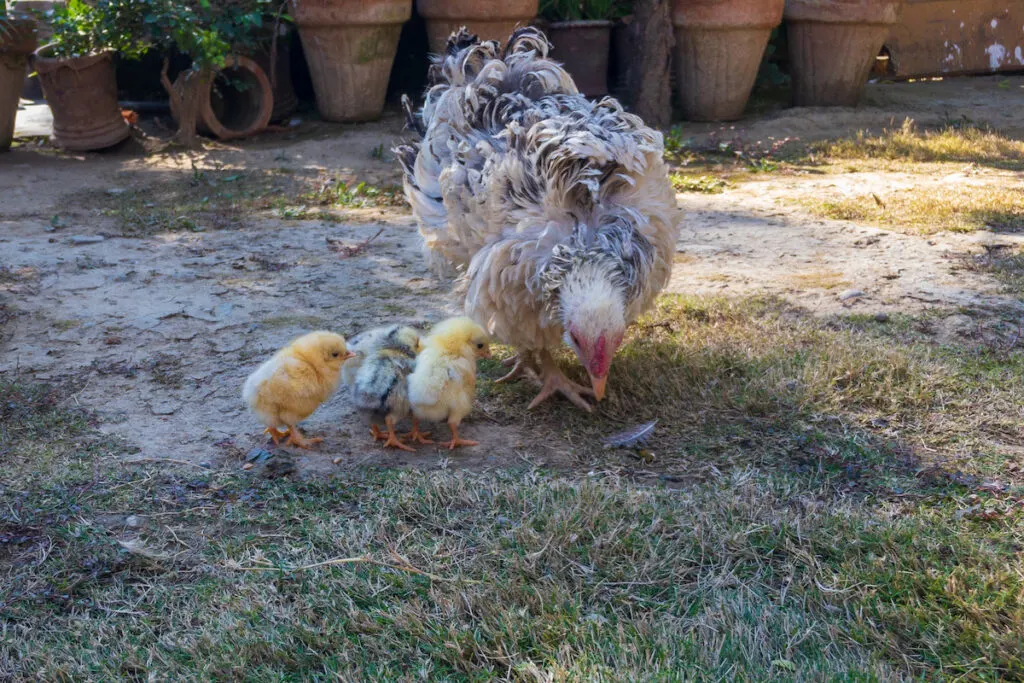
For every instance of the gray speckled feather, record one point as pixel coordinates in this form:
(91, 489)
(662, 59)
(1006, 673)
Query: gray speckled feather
(380, 388)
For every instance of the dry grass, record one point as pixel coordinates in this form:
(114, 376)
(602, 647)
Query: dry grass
(825, 279)
(957, 208)
(792, 543)
(951, 144)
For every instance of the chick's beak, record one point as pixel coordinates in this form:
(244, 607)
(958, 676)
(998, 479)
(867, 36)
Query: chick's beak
(598, 383)
(349, 354)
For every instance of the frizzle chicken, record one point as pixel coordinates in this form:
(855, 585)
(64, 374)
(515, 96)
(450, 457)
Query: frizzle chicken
(555, 211)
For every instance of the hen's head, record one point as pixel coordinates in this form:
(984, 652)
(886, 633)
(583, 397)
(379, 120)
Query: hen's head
(593, 311)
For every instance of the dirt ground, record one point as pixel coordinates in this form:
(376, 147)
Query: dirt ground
(157, 333)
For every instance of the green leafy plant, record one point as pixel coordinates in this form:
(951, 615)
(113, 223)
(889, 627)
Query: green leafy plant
(583, 10)
(205, 33)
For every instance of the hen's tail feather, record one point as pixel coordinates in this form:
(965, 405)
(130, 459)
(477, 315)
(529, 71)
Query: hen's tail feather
(413, 121)
(459, 41)
(406, 155)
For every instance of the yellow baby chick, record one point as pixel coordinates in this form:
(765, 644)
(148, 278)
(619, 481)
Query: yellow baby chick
(443, 384)
(294, 382)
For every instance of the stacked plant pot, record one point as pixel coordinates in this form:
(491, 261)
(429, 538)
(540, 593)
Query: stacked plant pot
(235, 101)
(833, 45)
(719, 47)
(350, 46)
(583, 47)
(488, 19)
(17, 42)
(82, 94)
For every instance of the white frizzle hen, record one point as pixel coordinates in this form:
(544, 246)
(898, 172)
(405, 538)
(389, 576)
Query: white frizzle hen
(556, 211)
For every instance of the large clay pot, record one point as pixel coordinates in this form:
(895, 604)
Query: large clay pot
(235, 101)
(833, 45)
(350, 46)
(583, 48)
(17, 42)
(719, 47)
(36, 9)
(82, 94)
(488, 19)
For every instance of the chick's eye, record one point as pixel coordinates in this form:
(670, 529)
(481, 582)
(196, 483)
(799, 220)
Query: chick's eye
(479, 346)
(336, 354)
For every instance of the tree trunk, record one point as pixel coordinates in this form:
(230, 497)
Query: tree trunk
(184, 96)
(648, 92)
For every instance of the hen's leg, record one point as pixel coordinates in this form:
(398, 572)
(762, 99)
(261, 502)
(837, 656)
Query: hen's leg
(392, 440)
(295, 438)
(456, 439)
(416, 435)
(521, 364)
(555, 381)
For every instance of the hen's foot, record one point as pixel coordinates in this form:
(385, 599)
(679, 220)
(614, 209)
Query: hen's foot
(276, 435)
(456, 440)
(416, 435)
(519, 368)
(556, 382)
(295, 438)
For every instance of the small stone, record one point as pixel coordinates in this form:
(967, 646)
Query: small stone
(850, 294)
(337, 461)
(881, 317)
(85, 239)
(165, 407)
(134, 522)
(248, 466)
(258, 455)
(114, 191)
(206, 464)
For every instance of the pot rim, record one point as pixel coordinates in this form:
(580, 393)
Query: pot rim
(580, 23)
(80, 62)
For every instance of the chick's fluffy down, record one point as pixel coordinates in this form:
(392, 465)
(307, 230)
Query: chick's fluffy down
(443, 384)
(294, 382)
(405, 340)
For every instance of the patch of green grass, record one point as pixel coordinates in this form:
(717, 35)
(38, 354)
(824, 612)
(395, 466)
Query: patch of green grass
(704, 184)
(213, 199)
(790, 540)
(1005, 263)
(717, 373)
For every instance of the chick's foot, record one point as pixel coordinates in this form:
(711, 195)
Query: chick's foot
(295, 438)
(416, 435)
(276, 435)
(457, 441)
(392, 440)
(556, 382)
(378, 433)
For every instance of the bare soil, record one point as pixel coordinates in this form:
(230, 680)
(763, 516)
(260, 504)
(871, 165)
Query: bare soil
(157, 333)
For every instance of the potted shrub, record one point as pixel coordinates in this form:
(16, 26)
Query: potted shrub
(350, 46)
(17, 42)
(488, 19)
(833, 45)
(76, 72)
(718, 52)
(580, 34)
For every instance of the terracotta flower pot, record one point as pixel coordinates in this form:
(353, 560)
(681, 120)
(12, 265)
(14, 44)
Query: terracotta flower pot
(37, 10)
(833, 45)
(719, 47)
(350, 46)
(235, 101)
(82, 94)
(488, 19)
(17, 42)
(583, 48)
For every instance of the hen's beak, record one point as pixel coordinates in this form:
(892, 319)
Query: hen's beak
(598, 383)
